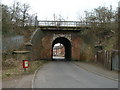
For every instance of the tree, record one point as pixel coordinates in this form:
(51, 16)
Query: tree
(102, 21)
(25, 15)
(6, 20)
(31, 19)
(16, 18)
(15, 14)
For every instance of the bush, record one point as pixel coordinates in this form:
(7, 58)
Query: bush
(8, 63)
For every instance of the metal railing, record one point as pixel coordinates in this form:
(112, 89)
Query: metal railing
(63, 23)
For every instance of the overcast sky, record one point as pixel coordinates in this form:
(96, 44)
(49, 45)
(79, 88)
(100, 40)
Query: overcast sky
(69, 9)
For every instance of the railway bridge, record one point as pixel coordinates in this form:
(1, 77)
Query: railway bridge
(49, 33)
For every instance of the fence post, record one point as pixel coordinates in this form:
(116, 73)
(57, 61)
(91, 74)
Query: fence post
(110, 61)
(104, 57)
(119, 32)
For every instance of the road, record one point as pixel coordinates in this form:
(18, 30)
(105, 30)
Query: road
(56, 57)
(60, 74)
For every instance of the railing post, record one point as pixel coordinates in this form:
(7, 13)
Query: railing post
(36, 22)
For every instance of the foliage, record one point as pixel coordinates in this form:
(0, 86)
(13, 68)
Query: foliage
(102, 18)
(16, 18)
(6, 22)
(102, 21)
(103, 24)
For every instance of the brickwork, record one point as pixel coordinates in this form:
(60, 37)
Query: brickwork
(42, 42)
(76, 48)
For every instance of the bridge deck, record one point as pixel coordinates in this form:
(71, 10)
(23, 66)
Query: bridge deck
(63, 25)
(62, 28)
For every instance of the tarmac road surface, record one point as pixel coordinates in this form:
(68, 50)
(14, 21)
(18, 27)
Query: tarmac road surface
(61, 74)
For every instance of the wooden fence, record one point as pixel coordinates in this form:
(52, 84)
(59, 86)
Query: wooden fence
(109, 59)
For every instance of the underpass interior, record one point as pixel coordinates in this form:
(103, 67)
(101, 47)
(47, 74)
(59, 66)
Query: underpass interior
(65, 49)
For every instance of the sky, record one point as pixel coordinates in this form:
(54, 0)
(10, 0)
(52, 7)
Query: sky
(68, 9)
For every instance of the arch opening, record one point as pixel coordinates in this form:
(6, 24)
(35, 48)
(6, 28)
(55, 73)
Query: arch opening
(65, 49)
(58, 51)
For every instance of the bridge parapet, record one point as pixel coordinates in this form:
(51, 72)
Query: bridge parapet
(63, 23)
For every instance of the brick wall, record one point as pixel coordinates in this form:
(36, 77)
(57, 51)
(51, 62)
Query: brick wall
(42, 45)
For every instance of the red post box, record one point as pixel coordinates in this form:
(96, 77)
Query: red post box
(25, 63)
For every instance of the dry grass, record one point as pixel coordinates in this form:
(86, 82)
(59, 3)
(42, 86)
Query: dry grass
(11, 71)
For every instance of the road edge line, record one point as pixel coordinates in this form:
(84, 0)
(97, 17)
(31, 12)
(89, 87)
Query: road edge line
(33, 79)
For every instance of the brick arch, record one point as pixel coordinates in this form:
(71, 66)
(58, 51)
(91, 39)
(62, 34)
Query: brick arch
(67, 44)
(43, 41)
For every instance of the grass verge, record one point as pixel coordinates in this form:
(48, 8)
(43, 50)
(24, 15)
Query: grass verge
(18, 70)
